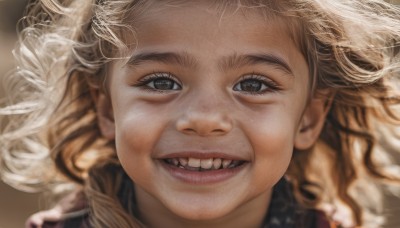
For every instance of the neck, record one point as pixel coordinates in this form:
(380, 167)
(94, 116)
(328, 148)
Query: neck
(154, 214)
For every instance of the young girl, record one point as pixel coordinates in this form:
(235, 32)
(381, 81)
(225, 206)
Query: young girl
(202, 113)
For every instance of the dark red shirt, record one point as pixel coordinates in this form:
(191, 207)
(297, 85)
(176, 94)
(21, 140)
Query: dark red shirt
(283, 212)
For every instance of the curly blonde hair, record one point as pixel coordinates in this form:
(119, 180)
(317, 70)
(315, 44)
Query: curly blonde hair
(49, 117)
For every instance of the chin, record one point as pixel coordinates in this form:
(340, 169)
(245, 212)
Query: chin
(201, 212)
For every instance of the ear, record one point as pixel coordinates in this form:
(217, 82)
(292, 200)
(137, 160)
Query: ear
(313, 120)
(104, 113)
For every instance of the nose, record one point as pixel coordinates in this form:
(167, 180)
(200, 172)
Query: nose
(205, 117)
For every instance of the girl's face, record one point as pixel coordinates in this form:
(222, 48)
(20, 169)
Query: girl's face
(207, 111)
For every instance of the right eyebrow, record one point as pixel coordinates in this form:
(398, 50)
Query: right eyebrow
(182, 59)
(236, 60)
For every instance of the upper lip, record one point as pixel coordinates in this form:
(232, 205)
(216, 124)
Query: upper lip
(202, 155)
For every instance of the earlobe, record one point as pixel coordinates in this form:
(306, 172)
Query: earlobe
(104, 114)
(312, 121)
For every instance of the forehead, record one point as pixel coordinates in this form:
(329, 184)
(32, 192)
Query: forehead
(160, 24)
(268, 11)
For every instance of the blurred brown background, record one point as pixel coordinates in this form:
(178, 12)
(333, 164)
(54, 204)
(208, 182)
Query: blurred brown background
(16, 206)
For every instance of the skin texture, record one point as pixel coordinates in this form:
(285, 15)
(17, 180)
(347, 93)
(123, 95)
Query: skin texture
(207, 110)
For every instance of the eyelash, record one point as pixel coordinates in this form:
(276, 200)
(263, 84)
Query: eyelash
(145, 81)
(270, 85)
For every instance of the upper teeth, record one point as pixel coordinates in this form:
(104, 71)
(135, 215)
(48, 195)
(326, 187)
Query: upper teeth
(209, 163)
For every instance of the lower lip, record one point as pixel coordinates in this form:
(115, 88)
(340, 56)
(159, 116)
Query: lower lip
(203, 177)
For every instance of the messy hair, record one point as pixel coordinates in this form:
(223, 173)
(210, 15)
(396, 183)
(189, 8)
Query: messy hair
(50, 134)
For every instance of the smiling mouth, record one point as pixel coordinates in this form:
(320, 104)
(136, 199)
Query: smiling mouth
(210, 164)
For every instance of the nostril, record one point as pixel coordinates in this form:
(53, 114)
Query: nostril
(218, 131)
(204, 124)
(189, 131)
(204, 131)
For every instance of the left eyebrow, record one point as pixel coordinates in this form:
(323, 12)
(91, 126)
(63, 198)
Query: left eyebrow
(236, 60)
(183, 59)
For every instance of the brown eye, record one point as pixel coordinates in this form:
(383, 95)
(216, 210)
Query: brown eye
(160, 82)
(164, 84)
(250, 85)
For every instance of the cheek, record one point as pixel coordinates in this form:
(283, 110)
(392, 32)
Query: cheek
(272, 138)
(274, 150)
(137, 130)
(273, 128)
(131, 134)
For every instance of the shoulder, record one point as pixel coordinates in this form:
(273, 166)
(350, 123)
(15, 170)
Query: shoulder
(321, 221)
(77, 219)
(284, 211)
